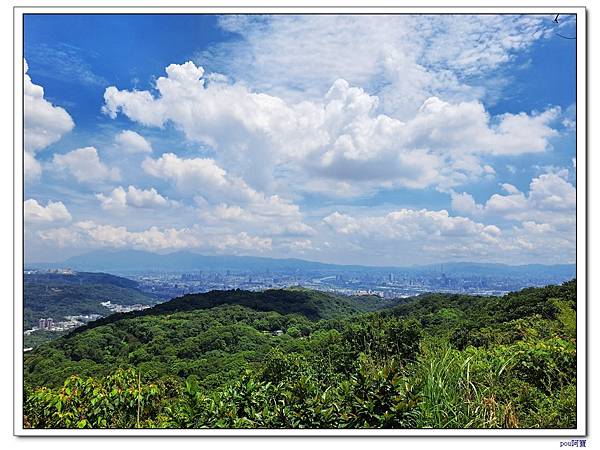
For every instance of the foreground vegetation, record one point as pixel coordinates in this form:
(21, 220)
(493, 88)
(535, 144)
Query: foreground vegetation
(298, 359)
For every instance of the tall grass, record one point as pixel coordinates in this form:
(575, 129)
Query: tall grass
(460, 390)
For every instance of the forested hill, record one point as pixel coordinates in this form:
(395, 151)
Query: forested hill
(79, 278)
(58, 295)
(297, 358)
(313, 305)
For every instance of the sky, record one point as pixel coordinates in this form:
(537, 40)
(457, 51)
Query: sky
(353, 139)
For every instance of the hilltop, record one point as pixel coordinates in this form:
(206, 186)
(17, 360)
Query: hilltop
(314, 305)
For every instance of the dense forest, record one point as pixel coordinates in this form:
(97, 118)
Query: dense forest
(304, 359)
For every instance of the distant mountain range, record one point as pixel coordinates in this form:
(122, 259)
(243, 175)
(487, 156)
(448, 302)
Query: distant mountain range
(135, 260)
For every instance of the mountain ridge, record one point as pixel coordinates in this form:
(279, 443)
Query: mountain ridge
(124, 260)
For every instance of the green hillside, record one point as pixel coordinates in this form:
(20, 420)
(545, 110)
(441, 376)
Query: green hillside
(57, 295)
(202, 334)
(313, 305)
(60, 300)
(298, 358)
(79, 278)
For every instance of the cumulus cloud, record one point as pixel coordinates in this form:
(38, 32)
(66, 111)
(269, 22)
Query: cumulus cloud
(120, 198)
(272, 216)
(407, 224)
(409, 233)
(425, 235)
(52, 212)
(92, 234)
(44, 124)
(145, 198)
(467, 127)
(341, 138)
(204, 178)
(221, 197)
(542, 222)
(551, 198)
(463, 202)
(85, 165)
(196, 175)
(131, 142)
(31, 166)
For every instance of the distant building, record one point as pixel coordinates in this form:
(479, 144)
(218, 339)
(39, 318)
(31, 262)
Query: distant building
(49, 323)
(42, 324)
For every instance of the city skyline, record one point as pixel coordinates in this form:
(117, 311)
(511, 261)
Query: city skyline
(410, 140)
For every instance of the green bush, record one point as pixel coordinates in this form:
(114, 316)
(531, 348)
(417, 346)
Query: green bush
(117, 401)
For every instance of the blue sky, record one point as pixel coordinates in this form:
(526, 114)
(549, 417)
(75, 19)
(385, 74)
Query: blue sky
(351, 139)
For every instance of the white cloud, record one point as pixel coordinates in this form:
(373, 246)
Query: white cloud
(44, 124)
(203, 177)
(408, 57)
(547, 242)
(301, 246)
(544, 219)
(522, 133)
(551, 198)
(120, 198)
(410, 234)
(145, 198)
(509, 188)
(569, 124)
(195, 175)
(115, 201)
(52, 212)
(224, 198)
(32, 167)
(465, 203)
(339, 139)
(271, 217)
(131, 142)
(91, 234)
(467, 127)
(408, 224)
(85, 165)
(552, 192)
(425, 235)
